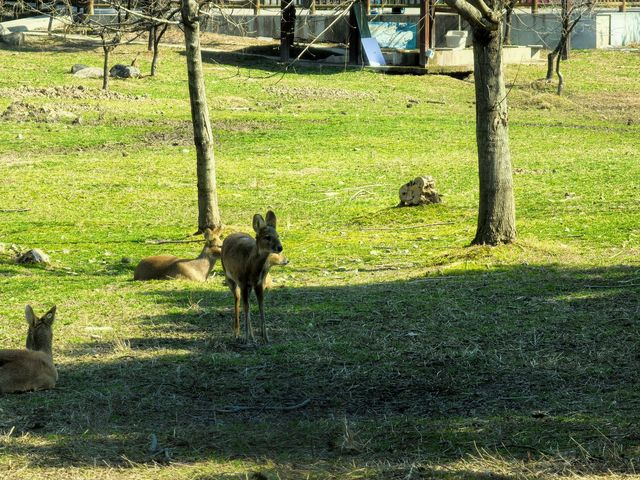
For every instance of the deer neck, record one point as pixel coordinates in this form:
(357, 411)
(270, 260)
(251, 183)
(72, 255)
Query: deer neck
(205, 262)
(259, 262)
(46, 349)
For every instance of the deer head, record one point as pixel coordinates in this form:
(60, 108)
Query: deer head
(40, 333)
(267, 238)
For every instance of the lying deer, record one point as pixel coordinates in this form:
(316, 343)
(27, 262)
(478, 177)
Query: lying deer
(167, 267)
(30, 369)
(246, 263)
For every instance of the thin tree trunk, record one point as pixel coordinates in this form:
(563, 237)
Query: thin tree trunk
(507, 24)
(158, 32)
(496, 212)
(154, 60)
(105, 68)
(560, 77)
(208, 211)
(550, 60)
(152, 37)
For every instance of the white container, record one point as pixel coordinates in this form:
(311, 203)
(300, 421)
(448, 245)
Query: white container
(456, 39)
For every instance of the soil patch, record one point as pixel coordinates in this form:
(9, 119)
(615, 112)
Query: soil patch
(182, 133)
(66, 91)
(318, 93)
(21, 111)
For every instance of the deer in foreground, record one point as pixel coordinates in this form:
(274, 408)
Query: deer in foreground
(168, 267)
(30, 369)
(246, 262)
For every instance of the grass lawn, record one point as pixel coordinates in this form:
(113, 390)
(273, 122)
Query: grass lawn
(398, 351)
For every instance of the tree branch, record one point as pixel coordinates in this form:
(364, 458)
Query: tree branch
(487, 13)
(472, 14)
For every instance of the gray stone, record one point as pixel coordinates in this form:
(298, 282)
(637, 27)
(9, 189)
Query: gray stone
(34, 256)
(77, 67)
(124, 71)
(13, 39)
(89, 72)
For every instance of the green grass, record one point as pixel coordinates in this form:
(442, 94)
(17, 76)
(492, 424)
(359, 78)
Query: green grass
(413, 354)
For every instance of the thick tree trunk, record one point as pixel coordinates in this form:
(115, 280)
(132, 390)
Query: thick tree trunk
(208, 211)
(496, 212)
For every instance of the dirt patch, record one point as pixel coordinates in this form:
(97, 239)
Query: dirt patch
(21, 111)
(182, 133)
(318, 93)
(64, 92)
(525, 171)
(610, 105)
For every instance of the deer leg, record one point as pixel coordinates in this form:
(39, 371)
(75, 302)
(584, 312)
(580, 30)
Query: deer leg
(248, 331)
(236, 300)
(263, 328)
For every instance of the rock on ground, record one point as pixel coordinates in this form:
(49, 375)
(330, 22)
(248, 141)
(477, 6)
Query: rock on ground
(77, 67)
(89, 72)
(124, 71)
(34, 256)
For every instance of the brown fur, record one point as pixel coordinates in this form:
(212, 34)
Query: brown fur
(168, 267)
(246, 262)
(30, 369)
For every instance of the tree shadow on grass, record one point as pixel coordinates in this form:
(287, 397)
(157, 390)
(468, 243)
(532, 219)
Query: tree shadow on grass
(501, 368)
(265, 58)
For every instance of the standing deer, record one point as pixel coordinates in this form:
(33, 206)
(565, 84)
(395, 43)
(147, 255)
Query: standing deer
(167, 267)
(246, 263)
(30, 369)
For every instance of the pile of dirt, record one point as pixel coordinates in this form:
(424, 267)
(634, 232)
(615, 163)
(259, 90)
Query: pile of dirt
(21, 111)
(66, 91)
(318, 93)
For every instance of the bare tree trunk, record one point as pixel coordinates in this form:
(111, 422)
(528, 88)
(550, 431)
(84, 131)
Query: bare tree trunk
(560, 77)
(496, 212)
(208, 211)
(550, 60)
(105, 68)
(152, 37)
(158, 32)
(154, 60)
(507, 23)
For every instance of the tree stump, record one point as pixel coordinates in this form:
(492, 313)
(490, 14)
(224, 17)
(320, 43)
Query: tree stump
(420, 191)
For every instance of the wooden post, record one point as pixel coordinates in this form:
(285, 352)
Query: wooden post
(431, 4)
(426, 30)
(534, 7)
(623, 6)
(313, 7)
(423, 33)
(256, 7)
(367, 4)
(355, 48)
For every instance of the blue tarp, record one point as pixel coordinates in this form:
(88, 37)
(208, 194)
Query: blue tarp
(394, 34)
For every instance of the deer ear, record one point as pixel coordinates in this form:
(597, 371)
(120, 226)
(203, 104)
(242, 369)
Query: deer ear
(50, 316)
(30, 316)
(258, 222)
(271, 219)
